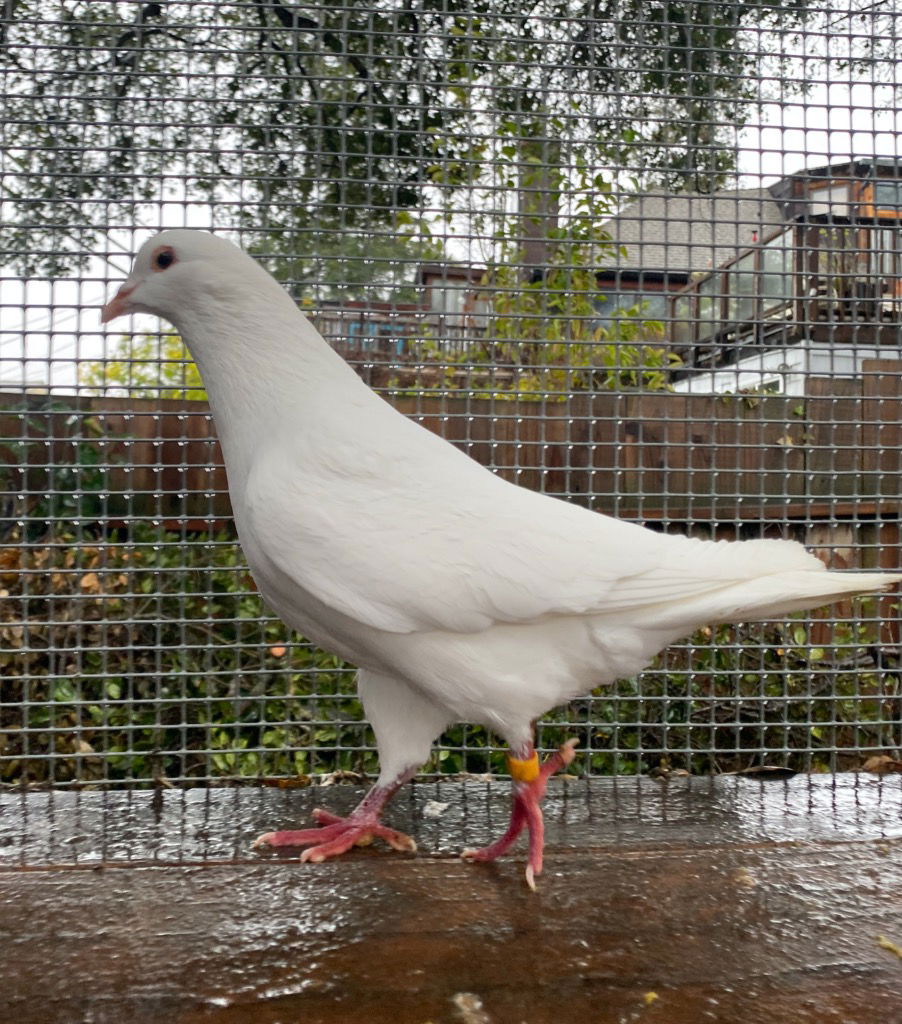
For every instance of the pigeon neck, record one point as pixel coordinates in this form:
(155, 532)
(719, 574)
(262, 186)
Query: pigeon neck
(259, 365)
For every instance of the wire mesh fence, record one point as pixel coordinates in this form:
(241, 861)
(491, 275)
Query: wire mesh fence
(643, 257)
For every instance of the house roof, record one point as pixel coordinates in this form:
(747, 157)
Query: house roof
(689, 232)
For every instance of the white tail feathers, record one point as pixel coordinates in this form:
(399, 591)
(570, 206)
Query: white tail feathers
(796, 591)
(764, 579)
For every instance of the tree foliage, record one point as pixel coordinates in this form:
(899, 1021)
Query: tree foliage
(144, 366)
(331, 118)
(543, 331)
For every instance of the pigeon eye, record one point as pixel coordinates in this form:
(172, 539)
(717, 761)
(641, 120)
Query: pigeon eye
(164, 257)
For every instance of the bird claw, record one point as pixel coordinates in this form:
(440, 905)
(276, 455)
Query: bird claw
(335, 836)
(399, 841)
(527, 813)
(567, 751)
(263, 842)
(561, 758)
(485, 856)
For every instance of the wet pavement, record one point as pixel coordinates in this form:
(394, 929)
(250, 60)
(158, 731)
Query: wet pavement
(696, 900)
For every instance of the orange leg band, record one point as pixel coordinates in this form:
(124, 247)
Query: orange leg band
(523, 771)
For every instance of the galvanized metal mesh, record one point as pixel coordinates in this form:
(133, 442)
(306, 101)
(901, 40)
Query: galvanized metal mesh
(644, 257)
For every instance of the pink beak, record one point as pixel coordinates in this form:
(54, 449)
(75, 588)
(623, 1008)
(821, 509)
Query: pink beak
(118, 304)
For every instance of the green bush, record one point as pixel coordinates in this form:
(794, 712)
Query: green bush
(807, 697)
(151, 658)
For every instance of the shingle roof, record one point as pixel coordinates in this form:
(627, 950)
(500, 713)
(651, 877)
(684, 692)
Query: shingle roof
(686, 232)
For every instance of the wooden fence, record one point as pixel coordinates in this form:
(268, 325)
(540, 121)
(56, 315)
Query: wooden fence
(837, 451)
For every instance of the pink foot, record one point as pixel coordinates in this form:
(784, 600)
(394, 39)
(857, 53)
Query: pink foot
(527, 813)
(337, 835)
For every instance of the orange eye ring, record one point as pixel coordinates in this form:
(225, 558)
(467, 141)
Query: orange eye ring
(163, 257)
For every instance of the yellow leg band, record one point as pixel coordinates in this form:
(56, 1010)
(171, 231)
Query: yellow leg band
(523, 771)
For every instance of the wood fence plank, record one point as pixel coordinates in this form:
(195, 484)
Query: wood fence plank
(661, 455)
(882, 427)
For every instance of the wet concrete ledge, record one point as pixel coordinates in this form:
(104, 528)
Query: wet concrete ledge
(694, 900)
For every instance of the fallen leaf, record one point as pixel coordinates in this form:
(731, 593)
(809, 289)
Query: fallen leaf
(10, 563)
(90, 582)
(745, 878)
(650, 997)
(884, 943)
(296, 783)
(765, 771)
(880, 764)
(330, 778)
(434, 808)
(470, 1009)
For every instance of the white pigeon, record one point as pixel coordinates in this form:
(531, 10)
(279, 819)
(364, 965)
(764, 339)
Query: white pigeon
(460, 597)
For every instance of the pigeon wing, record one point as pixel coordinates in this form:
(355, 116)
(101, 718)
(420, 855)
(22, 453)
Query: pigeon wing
(454, 547)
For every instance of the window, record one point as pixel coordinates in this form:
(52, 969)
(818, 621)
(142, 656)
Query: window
(709, 292)
(741, 304)
(888, 195)
(776, 272)
(651, 305)
(683, 330)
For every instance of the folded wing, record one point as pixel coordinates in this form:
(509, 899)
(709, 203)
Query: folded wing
(454, 547)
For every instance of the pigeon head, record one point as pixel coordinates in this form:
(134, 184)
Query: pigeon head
(180, 271)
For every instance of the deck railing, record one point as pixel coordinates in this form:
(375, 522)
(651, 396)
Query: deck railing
(825, 270)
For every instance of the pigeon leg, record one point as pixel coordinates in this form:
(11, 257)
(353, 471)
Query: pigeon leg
(405, 722)
(337, 835)
(530, 781)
